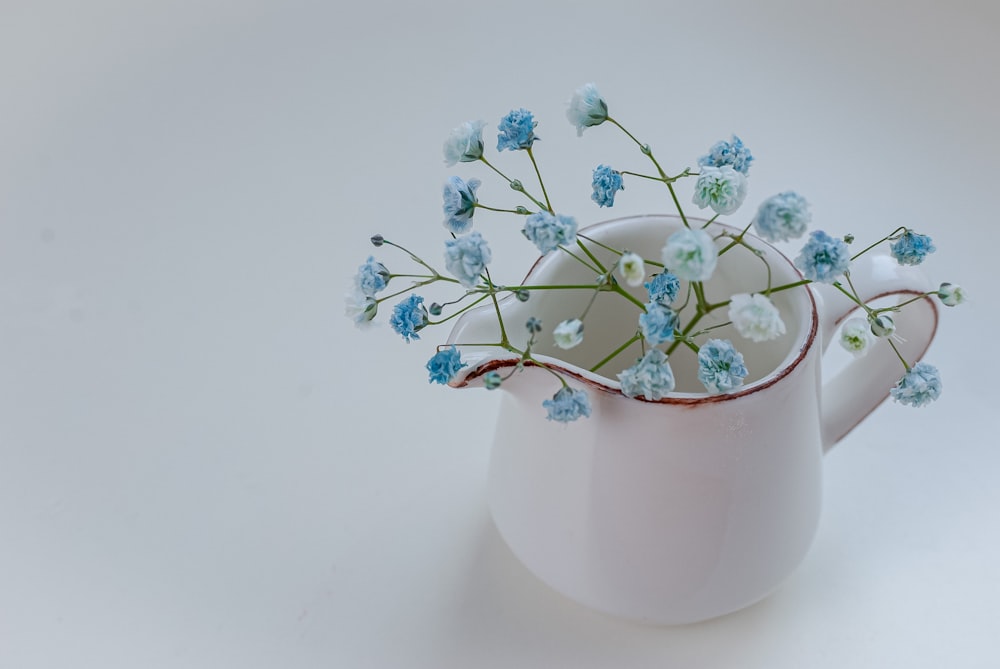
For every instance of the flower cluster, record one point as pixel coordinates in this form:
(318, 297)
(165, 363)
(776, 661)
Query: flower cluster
(676, 317)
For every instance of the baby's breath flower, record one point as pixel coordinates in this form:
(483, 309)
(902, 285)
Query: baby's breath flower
(408, 317)
(882, 325)
(606, 183)
(721, 188)
(516, 130)
(663, 288)
(444, 365)
(651, 377)
(856, 336)
(732, 153)
(755, 317)
(911, 248)
(533, 325)
(720, 366)
(951, 295)
(920, 385)
(586, 108)
(569, 333)
(823, 258)
(360, 308)
(632, 269)
(466, 258)
(371, 277)
(465, 143)
(658, 323)
(782, 217)
(548, 231)
(567, 405)
(691, 254)
(459, 204)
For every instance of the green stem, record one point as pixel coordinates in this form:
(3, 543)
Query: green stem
(511, 183)
(459, 312)
(541, 183)
(659, 170)
(590, 255)
(496, 305)
(898, 354)
(616, 352)
(522, 212)
(884, 239)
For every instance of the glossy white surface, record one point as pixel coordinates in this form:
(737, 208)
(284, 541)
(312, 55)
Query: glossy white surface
(203, 464)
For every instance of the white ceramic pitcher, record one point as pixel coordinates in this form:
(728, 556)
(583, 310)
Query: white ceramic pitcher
(696, 505)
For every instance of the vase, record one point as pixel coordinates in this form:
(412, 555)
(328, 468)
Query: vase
(696, 505)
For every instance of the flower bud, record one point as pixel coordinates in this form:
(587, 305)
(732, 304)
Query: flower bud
(522, 295)
(951, 295)
(377, 240)
(569, 333)
(882, 325)
(492, 380)
(632, 269)
(534, 325)
(435, 309)
(848, 238)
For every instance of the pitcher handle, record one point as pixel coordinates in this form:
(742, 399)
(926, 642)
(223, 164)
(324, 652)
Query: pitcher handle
(864, 383)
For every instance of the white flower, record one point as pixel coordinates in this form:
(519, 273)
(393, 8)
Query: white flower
(755, 317)
(568, 333)
(632, 269)
(721, 188)
(360, 308)
(951, 295)
(586, 108)
(691, 254)
(465, 143)
(856, 336)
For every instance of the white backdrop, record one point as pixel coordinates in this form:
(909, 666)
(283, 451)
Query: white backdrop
(204, 464)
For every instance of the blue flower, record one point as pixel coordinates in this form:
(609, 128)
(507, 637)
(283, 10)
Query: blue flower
(728, 153)
(371, 277)
(720, 366)
(663, 288)
(408, 317)
(492, 380)
(823, 258)
(911, 248)
(567, 405)
(782, 217)
(460, 204)
(606, 183)
(651, 377)
(587, 108)
(658, 323)
(444, 365)
(464, 144)
(919, 386)
(548, 231)
(516, 131)
(466, 258)
(721, 188)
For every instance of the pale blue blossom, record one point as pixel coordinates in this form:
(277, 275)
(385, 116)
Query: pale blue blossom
(567, 405)
(466, 257)
(606, 183)
(658, 323)
(632, 268)
(732, 153)
(911, 248)
(823, 258)
(755, 317)
(444, 365)
(408, 317)
(360, 308)
(568, 334)
(919, 386)
(516, 130)
(549, 231)
(371, 277)
(720, 366)
(691, 254)
(464, 143)
(856, 336)
(663, 288)
(651, 377)
(951, 295)
(586, 108)
(459, 204)
(492, 380)
(782, 217)
(721, 188)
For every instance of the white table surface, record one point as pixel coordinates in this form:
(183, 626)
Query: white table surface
(204, 464)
